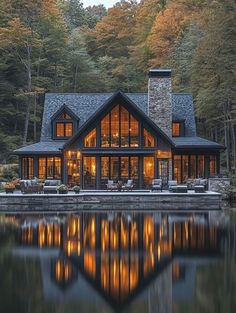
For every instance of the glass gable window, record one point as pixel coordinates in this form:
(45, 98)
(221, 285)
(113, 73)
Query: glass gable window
(175, 129)
(50, 168)
(119, 129)
(148, 139)
(90, 139)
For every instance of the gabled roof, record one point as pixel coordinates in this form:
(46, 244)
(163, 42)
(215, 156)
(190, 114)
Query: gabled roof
(118, 96)
(65, 108)
(85, 104)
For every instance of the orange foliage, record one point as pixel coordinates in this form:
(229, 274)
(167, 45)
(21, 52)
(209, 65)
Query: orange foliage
(168, 26)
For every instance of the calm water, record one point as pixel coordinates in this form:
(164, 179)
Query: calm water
(118, 262)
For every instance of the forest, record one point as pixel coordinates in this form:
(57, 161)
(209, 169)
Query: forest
(62, 46)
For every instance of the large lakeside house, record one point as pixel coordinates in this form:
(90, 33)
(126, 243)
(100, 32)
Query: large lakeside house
(89, 138)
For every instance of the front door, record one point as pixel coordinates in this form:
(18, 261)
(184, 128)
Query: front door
(163, 171)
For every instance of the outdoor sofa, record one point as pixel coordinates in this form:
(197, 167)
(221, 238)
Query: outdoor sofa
(129, 186)
(51, 186)
(30, 186)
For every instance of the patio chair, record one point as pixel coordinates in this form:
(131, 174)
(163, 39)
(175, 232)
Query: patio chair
(172, 184)
(129, 185)
(111, 186)
(157, 184)
(50, 186)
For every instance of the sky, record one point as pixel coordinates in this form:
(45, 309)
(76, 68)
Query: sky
(107, 3)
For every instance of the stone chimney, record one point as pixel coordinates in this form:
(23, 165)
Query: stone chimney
(159, 99)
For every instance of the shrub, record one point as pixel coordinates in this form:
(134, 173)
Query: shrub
(8, 172)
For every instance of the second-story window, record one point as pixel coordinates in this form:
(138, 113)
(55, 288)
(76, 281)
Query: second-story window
(175, 129)
(64, 126)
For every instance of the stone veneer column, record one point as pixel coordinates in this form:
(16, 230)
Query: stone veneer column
(160, 103)
(159, 99)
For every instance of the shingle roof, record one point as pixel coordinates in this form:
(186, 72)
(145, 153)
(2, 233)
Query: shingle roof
(195, 142)
(45, 147)
(84, 105)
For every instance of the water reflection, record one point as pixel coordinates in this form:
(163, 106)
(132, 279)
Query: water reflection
(121, 255)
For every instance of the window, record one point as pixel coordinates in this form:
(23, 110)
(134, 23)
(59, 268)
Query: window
(148, 170)
(50, 168)
(90, 139)
(192, 166)
(177, 168)
(89, 165)
(212, 164)
(64, 129)
(148, 139)
(119, 129)
(175, 129)
(185, 166)
(27, 168)
(201, 166)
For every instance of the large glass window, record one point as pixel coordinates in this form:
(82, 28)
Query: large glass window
(201, 166)
(50, 168)
(148, 139)
(185, 166)
(105, 131)
(89, 165)
(192, 171)
(212, 165)
(119, 168)
(119, 129)
(177, 168)
(115, 127)
(90, 139)
(124, 127)
(148, 170)
(27, 168)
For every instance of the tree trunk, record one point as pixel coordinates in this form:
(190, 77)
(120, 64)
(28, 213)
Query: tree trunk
(29, 90)
(232, 128)
(35, 117)
(226, 143)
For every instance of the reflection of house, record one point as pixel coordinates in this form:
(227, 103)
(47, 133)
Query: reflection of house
(87, 139)
(122, 256)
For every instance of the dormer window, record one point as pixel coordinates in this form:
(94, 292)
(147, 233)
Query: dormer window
(178, 129)
(64, 123)
(64, 129)
(175, 129)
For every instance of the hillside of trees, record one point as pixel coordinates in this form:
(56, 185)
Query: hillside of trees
(61, 46)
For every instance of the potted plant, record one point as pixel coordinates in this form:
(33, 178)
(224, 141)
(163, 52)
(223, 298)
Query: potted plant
(62, 189)
(9, 187)
(76, 189)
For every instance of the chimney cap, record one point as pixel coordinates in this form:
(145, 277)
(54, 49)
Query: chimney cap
(159, 73)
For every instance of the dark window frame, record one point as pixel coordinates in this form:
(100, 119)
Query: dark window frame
(46, 166)
(181, 128)
(27, 176)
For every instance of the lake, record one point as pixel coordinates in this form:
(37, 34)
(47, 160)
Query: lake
(106, 262)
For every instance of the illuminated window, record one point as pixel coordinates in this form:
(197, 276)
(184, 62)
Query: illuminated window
(201, 165)
(119, 129)
(89, 165)
(175, 129)
(27, 168)
(148, 170)
(177, 168)
(50, 168)
(64, 129)
(148, 139)
(212, 165)
(185, 166)
(90, 139)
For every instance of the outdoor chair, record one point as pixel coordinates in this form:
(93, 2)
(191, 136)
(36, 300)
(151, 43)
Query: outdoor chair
(129, 185)
(111, 186)
(30, 186)
(50, 186)
(157, 185)
(171, 184)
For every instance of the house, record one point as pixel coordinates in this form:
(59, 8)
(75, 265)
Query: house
(87, 139)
